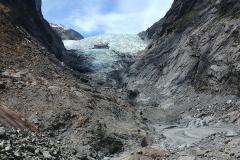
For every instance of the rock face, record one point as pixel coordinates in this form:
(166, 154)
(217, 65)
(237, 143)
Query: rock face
(105, 53)
(58, 100)
(23, 11)
(66, 33)
(192, 60)
(38, 4)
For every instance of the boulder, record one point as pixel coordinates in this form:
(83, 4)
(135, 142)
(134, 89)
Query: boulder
(231, 134)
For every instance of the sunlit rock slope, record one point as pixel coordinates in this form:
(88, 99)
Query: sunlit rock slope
(66, 33)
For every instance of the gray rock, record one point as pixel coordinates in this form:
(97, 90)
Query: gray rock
(195, 123)
(17, 155)
(37, 151)
(231, 133)
(81, 156)
(8, 148)
(229, 102)
(200, 152)
(2, 132)
(186, 158)
(4, 157)
(46, 154)
(2, 145)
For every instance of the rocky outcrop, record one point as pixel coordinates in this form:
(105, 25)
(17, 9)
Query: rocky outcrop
(28, 15)
(39, 7)
(66, 33)
(190, 70)
(192, 60)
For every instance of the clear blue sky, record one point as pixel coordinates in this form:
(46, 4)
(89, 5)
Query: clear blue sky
(92, 17)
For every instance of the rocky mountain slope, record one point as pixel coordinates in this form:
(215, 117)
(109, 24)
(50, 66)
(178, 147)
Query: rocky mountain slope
(66, 33)
(192, 61)
(189, 74)
(58, 100)
(30, 18)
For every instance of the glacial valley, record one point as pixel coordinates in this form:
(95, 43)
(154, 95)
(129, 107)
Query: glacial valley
(170, 92)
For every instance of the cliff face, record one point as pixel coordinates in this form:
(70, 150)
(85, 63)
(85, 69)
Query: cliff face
(27, 14)
(193, 59)
(66, 33)
(58, 100)
(38, 4)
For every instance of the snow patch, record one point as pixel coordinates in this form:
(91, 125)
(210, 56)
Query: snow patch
(59, 26)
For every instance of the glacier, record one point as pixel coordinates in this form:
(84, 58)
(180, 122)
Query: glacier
(106, 52)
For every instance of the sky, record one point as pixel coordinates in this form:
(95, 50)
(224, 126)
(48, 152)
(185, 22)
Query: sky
(93, 17)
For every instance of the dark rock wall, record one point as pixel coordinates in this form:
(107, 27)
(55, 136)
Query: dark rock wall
(27, 14)
(38, 4)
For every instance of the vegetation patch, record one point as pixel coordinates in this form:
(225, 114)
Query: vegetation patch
(186, 18)
(229, 8)
(187, 13)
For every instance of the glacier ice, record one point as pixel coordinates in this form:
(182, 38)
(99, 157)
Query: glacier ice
(107, 52)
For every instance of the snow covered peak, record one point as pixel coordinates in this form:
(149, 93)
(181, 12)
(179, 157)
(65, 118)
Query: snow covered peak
(66, 33)
(59, 26)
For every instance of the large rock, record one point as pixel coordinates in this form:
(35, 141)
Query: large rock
(46, 154)
(231, 134)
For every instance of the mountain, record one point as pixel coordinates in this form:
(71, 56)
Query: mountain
(178, 98)
(66, 33)
(192, 59)
(190, 70)
(36, 83)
